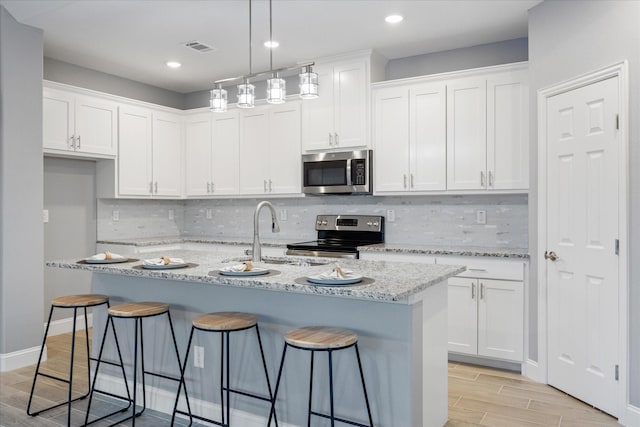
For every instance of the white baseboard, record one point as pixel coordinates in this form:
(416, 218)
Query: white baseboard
(64, 326)
(531, 370)
(632, 416)
(163, 400)
(20, 359)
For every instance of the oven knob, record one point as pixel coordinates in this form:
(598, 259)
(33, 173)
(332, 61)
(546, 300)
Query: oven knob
(324, 222)
(375, 224)
(369, 223)
(318, 222)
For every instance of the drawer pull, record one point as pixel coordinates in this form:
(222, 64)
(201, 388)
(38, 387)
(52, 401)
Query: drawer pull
(477, 269)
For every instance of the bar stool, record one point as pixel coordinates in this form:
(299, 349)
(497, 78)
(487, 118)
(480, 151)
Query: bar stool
(322, 338)
(223, 323)
(136, 311)
(74, 302)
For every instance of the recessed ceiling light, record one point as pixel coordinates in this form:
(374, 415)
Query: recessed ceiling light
(173, 64)
(272, 44)
(393, 19)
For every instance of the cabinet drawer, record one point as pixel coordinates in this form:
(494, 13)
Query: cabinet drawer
(486, 268)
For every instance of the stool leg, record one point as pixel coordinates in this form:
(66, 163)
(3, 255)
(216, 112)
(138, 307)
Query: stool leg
(184, 368)
(275, 392)
(222, 377)
(73, 352)
(35, 375)
(228, 383)
(333, 420)
(313, 353)
(266, 373)
(175, 347)
(364, 388)
(86, 336)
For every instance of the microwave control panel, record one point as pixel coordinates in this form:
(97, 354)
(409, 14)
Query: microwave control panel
(358, 172)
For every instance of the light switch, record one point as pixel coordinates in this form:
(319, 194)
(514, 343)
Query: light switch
(115, 215)
(481, 217)
(209, 213)
(45, 215)
(172, 214)
(283, 215)
(391, 215)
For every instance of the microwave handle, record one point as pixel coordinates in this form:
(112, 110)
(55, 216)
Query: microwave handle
(349, 176)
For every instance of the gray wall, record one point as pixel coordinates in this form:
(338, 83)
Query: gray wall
(63, 72)
(70, 198)
(21, 237)
(459, 59)
(565, 42)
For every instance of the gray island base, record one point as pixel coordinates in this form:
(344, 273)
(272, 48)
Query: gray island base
(400, 319)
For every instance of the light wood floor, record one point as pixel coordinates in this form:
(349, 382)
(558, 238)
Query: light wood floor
(478, 396)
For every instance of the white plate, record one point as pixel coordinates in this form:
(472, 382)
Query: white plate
(105, 261)
(255, 271)
(163, 267)
(353, 278)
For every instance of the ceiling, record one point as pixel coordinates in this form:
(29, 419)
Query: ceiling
(134, 38)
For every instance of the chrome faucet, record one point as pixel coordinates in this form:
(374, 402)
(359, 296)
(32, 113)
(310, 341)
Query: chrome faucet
(275, 228)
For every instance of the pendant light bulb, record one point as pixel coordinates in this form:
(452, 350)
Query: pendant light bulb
(246, 95)
(276, 90)
(218, 101)
(308, 84)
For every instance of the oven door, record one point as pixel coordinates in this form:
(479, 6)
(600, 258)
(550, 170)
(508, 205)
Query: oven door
(337, 173)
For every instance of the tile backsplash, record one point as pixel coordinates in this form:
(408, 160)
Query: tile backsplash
(430, 220)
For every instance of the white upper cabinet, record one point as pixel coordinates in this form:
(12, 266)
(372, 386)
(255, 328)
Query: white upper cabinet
(225, 166)
(487, 132)
(270, 154)
(410, 138)
(198, 147)
(78, 125)
(150, 153)
(338, 118)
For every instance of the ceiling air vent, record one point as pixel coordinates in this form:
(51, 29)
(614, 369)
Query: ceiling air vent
(200, 47)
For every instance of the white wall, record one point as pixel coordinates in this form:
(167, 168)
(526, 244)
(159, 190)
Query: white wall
(21, 236)
(568, 39)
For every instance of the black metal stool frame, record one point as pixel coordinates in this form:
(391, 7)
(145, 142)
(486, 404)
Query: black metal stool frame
(224, 336)
(69, 381)
(132, 401)
(332, 416)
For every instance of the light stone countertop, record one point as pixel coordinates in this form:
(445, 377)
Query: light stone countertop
(400, 248)
(393, 282)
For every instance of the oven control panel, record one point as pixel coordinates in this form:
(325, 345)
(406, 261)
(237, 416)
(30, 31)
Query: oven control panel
(350, 222)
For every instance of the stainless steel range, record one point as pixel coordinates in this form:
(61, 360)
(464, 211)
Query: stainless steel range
(340, 235)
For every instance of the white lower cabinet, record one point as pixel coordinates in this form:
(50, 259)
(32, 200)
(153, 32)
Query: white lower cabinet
(486, 317)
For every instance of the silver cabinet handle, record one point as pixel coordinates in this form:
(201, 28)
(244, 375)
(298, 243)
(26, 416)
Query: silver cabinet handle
(156, 187)
(481, 290)
(270, 188)
(404, 179)
(265, 185)
(481, 179)
(78, 144)
(476, 269)
(490, 179)
(336, 138)
(330, 139)
(213, 187)
(411, 180)
(72, 142)
(473, 291)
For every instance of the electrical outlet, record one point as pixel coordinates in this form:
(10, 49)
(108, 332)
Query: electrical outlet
(209, 213)
(198, 356)
(481, 217)
(115, 215)
(283, 215)
(391, 215)
(172, 214)
(45, 215)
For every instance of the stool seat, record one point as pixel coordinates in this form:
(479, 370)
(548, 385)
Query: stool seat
(138, 309)
(79, 300)
(225, 321)
(320, 337)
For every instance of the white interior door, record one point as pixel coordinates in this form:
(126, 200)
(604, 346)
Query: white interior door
(582, 228)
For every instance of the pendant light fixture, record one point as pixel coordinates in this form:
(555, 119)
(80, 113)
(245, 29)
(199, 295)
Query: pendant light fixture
(276, 87)
(308, 83)
(246, 91)
(218, 101)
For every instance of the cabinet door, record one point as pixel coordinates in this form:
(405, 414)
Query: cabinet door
(198, 155)
(134, 151)
(96, 126)
(58, 120)
(226, 153)
(391, 140)
(463, 315)
(466, 135)
(507, 131)
(167, 155)
(284, 150)
(501, 319)
(350, 105)
(428, 137)
(254, 151)
(317, 114)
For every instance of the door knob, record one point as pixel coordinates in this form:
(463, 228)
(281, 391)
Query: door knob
(551, 255)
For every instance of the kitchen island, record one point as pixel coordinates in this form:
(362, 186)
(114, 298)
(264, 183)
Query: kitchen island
(399, 314)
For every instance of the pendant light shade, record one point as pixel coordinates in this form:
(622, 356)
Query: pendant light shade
(218, 101)
(308, 84)
(246, 95)
(276, 90)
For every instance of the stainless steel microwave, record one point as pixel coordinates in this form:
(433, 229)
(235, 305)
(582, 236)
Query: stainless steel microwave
(344, 172)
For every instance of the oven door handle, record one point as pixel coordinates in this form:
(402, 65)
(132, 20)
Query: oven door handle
(330, 254)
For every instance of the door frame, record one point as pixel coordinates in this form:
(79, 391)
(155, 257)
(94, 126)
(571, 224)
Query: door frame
(619, 70)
